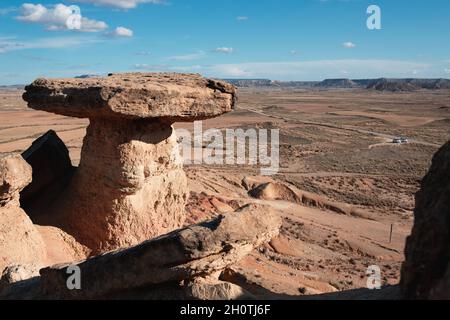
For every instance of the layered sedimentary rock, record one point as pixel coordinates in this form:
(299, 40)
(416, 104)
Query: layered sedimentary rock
(186, 263)
(20, 242)
(171, 97)
(426, 270)
(130, 185)
(280, 191)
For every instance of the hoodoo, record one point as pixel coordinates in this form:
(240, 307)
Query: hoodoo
(130, 185)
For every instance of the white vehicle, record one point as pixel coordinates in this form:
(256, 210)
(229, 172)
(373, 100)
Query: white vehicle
(397, 141)
(404, 140)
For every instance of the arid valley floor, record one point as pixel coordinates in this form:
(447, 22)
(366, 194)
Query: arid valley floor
(336, 148)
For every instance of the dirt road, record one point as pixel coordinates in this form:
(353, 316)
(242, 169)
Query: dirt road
(342, 127)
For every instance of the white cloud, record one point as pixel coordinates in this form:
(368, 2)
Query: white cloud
(294, 52)
(58, 18)
(141, 66)
(12, 44)
(231, 71)
(242, 18)
(447, 70)
(121, 32)
(349, 45)
(4, 11)
(227, 50)
(187, 57)
(316, 70)
(143, 53)
(154, 68)
(122, 4)
(307, 70)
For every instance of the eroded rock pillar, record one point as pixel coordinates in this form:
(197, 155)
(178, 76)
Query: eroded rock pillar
(130, 185)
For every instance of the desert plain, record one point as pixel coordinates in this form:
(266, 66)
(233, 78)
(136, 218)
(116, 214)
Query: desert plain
(336, 150)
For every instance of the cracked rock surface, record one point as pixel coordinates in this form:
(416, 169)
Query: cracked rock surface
(187, 255)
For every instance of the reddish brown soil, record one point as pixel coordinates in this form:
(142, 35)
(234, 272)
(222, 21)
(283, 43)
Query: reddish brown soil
(336, 146)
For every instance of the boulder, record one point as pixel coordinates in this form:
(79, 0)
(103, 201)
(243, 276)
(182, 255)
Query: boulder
(250, 183)
(198, 251)
(213, 289)
(426, 270)
(20, 242)
(130, 185)
(274, 191)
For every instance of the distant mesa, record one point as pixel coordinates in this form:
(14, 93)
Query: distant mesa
(338, 83)
(251, 82)
(392, 86)
(87, 76)
(381, 84)
(13, 87)
(396, 85)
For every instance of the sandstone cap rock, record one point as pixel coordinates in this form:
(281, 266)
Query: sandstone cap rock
(171, 97)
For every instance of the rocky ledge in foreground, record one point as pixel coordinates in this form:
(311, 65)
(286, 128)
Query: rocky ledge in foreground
(426, 270)
(130, 185)
(183, 264)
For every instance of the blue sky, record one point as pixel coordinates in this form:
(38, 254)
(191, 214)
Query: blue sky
(277, 39)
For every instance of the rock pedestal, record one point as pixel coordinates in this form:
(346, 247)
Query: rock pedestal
(130, 185)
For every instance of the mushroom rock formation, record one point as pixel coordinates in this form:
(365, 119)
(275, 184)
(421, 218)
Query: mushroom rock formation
(186, 263)
(426, 270)
(20, 242)
(130, 185)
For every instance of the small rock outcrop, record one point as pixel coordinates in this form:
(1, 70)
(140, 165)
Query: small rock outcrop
(213, 289)
(20, 242)
(186, 262)
(17, 273)
(52, 169)
(280, 191)
(130, 185)
(426, 270)
(274, 191)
